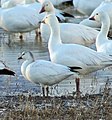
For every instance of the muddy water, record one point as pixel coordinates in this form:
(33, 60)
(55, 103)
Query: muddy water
(18, 85)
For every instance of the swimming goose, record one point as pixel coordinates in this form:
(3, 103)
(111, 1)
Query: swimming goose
(86, 7)
(4, 70)
(73, 55)
(103, 44)
(105, 6)
(70, 33)
(44, 72)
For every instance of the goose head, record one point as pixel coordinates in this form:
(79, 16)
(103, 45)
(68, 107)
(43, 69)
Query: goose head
(47, 6)
(26, 56)
(99, 16)
(50, 19)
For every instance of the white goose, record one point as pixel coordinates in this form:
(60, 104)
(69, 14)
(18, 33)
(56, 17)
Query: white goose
(103, 44)
(19, 19)
(60, 14)
(20, 16)
(44, 72)
(105, 6)
(70, 33)
(73, 55)
(4, 70)
(56, 2)
(86, 7)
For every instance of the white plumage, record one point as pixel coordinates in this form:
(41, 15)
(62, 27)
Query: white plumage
(55, 2)
(73, 54)
(103, 44)
(70, 33)
(11, 3)
(86, 7)
(105, 6)
(42, 71)
(22, 18)
(19, 19)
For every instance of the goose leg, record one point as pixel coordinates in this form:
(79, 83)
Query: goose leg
(47, 91)
(43, 91)
(21, 36)
(77, 81)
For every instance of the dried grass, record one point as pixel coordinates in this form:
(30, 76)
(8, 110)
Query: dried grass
(87, 107)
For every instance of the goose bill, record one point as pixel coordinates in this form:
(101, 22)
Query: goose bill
(42, 10)
(92, 18)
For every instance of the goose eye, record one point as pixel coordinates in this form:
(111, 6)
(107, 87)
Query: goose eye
(96, 13)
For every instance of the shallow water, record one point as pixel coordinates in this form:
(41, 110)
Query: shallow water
(18, 85)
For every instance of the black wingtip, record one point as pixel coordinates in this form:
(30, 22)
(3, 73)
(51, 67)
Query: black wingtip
(75, 69)
(67, 15)
(59, 19)
(7, 72)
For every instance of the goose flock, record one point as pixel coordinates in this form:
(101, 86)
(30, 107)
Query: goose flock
(22, 18)
(69, 44)
(83, 35)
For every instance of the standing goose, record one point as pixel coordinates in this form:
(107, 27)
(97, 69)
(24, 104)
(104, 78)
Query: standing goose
(19, 19)
(44, 72)
(103, 44)
(4, 70)
(70, 33)
(73, 55)
(20, 16)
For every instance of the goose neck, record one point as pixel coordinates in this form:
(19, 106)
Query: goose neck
(55, 33)
(29, 61)
(102, 36)
(105, 26)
